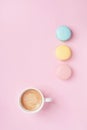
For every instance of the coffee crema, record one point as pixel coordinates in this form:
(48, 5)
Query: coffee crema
(31, 100)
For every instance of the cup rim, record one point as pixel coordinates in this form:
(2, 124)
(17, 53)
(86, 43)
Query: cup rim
(41, 106)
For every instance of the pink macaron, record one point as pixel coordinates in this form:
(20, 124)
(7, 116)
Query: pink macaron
(64, 71)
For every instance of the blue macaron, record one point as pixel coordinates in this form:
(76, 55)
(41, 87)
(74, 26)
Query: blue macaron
(63, 33)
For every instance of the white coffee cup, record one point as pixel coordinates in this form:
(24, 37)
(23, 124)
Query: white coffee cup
(43, 100)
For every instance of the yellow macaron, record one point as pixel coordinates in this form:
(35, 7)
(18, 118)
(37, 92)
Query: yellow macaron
(63, 52)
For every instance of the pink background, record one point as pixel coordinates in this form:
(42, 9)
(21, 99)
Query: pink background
(27, 46)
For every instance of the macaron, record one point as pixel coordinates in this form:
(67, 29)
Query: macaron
(63, 33)
(63, 52)
(64, 72)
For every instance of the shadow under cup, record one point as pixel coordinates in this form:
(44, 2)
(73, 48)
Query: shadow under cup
(31, 100)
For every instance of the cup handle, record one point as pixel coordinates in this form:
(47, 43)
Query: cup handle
(48, 99)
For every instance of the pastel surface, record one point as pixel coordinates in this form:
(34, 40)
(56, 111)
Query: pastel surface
(27, 59)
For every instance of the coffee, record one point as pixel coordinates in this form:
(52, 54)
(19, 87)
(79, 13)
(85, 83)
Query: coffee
(31, 100)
